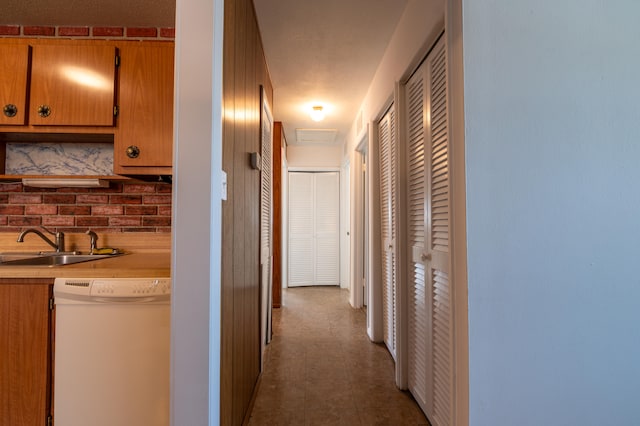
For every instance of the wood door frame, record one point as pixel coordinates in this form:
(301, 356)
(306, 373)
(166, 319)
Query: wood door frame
(458, 212)
(277, 223)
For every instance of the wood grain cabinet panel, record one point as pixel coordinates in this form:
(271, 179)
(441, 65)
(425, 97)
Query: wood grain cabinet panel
(73, 84)
(146, 113)
(14, 69)
(25, 348)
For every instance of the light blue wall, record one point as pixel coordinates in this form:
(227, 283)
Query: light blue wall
(553, 189)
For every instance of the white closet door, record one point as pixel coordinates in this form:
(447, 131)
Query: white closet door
(438, 257)
(314, 229)
(327, 228)
(388, 200)
(430, 375)
(301, 229)
(265, 223)
(417, 310)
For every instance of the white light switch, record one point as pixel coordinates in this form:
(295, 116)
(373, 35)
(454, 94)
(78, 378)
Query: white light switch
(224, 185)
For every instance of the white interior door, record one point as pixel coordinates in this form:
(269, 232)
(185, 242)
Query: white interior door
(345, 229)
(430, 376)
(265, 223)
(388, 199)
(285, 218)
(314, 229)
(417, 309)
(365, 240)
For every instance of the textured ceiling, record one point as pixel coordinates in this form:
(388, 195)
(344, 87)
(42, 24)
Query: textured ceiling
(323, 52)
(317, 51)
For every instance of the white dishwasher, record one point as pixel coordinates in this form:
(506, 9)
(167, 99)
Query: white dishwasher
(111, 352)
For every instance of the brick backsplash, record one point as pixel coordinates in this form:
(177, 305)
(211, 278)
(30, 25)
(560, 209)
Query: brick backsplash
(122, 207)
(138, 33)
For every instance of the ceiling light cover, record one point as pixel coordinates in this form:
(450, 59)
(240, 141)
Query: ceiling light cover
(317, 113)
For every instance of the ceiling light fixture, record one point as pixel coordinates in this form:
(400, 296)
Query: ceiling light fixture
(317, 113)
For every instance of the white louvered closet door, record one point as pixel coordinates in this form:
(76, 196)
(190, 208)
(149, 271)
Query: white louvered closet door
(430, 335)
(327, 228)
(417, 309)
(388, 213)
(265, 223)
(314, 229)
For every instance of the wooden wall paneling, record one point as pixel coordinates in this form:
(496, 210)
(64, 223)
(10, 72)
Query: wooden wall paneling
(244, 71)
(227, 303)
(277, 213)
(251, 324)
(240, 221)
(256, 146)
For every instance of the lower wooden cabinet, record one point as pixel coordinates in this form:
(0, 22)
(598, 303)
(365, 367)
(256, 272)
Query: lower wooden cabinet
(26, 340)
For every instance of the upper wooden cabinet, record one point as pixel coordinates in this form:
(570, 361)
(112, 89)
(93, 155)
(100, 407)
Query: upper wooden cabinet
(14, 71)
(73, 85)
(144, 136)
(71, 89)
(67, 82)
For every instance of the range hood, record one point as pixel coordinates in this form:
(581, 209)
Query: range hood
(80, 182)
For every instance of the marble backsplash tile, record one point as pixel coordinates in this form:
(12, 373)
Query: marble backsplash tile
(71, 158)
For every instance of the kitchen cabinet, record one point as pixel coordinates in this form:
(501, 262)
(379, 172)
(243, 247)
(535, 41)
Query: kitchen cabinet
(13, 91)
(68, 83)
(26, 336)
(72, 84)
(144, 136)
(73, 91)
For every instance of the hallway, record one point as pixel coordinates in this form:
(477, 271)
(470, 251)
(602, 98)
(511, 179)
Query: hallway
(321, 368)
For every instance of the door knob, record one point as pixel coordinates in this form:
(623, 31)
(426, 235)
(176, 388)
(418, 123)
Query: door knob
(425, 256)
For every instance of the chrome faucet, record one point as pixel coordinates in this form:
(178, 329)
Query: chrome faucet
(93, 239)
(58, 245)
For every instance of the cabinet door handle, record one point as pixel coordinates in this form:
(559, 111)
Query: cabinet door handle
(133, 151)
(44, 111)
(10, 110)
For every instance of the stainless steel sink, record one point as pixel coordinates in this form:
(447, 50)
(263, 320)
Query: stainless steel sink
(9, 256)
(49, 259)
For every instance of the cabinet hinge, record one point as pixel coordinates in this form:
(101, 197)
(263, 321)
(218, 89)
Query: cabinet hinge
(115, 111)
(49, 420)
(117, 61)
(51, 304)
